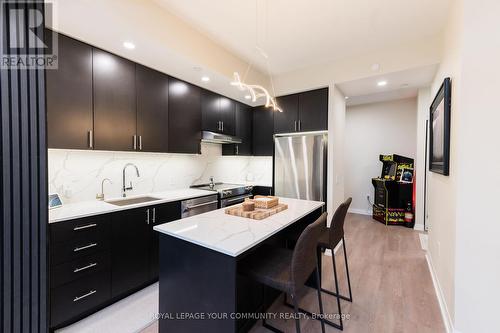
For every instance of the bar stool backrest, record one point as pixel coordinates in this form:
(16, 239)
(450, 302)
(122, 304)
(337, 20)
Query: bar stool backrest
(304, 255)
(337, 225)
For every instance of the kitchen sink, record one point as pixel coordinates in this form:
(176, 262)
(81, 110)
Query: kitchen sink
(131, 201)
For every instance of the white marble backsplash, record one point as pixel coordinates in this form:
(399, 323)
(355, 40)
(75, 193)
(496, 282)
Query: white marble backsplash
(76, 175)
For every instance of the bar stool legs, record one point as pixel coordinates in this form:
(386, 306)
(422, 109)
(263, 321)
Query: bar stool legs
(341, 326)
(349, 299)
(297, 309)
(347, 270)
(318, 289)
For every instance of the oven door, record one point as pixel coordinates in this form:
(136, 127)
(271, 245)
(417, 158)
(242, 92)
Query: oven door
(234, 200)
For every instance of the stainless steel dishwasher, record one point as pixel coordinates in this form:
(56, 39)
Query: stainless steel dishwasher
(197, 206)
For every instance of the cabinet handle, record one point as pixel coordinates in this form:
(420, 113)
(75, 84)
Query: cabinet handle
(300, 125)
(81, 227)
(76, 299)
(295, 125)
(140, 142)
(236, 149)
(147, 216)
(76, 249)
(76, 270)
(154, 215)
(222, 126)
(219, 126)
(91, 139)
(135, 142)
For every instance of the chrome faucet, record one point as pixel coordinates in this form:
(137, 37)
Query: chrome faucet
(100, 196)
(124, 188)
(212, 184)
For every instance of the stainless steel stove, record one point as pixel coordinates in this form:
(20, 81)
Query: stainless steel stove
(229, 194)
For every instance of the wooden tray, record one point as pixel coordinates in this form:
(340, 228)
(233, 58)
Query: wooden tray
(258, 213)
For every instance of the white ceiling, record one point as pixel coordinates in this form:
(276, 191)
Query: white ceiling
(401, 84)
(298, 33)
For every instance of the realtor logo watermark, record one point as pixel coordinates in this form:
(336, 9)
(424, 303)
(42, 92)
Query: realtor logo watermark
(28, 45)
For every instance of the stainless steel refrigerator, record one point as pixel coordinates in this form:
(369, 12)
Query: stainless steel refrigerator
(300, 161)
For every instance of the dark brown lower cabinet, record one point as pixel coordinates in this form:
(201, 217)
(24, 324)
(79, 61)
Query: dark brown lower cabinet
(130, 250)
(163, 213)
(80, 271)
(97, 260)
(80, 297)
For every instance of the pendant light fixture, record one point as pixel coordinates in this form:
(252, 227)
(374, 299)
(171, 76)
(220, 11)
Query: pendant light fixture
(257, 91)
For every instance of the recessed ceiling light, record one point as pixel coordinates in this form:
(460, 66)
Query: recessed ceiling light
(129, 45)
(347, 97)
(205, 78)
(248, 96)
(381, 83)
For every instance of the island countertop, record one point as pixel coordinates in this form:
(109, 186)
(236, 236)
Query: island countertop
(233, 235)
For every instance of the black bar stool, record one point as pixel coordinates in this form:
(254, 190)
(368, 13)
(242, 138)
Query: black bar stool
(329, 239)
(288, 270)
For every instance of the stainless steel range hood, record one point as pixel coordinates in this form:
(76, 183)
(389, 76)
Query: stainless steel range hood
(212, 137)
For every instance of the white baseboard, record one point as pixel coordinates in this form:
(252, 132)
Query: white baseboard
(360, 211)
(419, 227)
(448, 323)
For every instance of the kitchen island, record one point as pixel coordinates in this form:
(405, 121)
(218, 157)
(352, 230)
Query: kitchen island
(200, 289)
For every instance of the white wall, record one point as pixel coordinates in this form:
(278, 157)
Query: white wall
(442, 189)
(370, 130)
(477, 268)
(77, 174)
(336, 145)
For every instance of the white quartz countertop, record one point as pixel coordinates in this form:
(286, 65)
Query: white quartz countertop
(96, 207)
(233, 235)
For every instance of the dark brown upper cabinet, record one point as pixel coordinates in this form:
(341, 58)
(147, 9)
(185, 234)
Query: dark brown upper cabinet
(114, 102)
(210, 119)
(218, 113)
(227, 110)
(69, 97)
(263, 129)
(287, 121)
(152, 110)
(307, 111)
(184, 117)
(313, 110)
(244, 119)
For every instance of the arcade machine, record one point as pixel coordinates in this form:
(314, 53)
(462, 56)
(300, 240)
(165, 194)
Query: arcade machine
(394, 191)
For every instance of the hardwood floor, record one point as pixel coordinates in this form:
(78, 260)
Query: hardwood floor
(391, 284)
